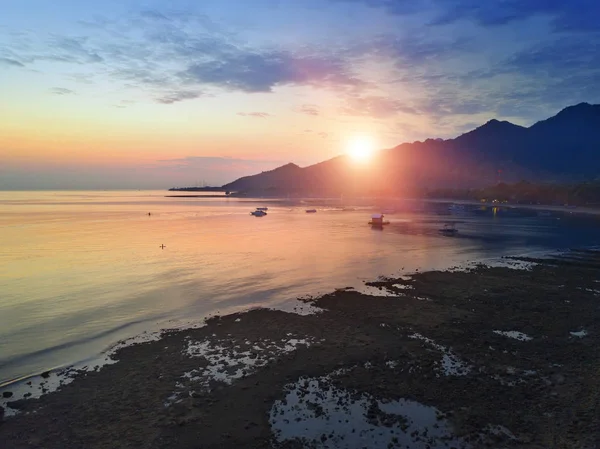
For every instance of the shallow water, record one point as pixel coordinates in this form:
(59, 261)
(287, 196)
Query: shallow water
(80, 271)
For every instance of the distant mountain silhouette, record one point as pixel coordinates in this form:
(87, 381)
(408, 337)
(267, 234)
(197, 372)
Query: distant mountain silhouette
(562, 148)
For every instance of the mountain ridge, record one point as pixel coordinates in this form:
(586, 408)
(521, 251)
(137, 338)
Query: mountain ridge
(563, 147)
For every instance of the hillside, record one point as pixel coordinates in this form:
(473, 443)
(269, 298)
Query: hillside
(561, 148)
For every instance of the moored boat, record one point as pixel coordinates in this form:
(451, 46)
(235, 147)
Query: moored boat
(449, 229)
(377, 220)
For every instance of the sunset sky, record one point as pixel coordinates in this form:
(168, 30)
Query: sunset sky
(129, 94)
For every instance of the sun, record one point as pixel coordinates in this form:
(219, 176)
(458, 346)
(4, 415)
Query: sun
(360, 149)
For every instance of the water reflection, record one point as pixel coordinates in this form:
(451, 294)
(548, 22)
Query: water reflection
(82, 270)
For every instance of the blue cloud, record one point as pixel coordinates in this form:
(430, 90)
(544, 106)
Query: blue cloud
(175, 97)
(61, 91)
(574, 15)
(11, 62)
(262, 71)
(399, 7)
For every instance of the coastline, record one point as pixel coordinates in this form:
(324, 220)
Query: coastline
(502, 356)
(536, 207)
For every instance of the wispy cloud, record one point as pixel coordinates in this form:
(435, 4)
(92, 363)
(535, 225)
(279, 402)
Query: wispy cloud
(255, 114)
(261, 71)
(374, 106)
(575, 15)
(11, 62)
(176, 54)
(61, 91)
(443, 64)
(309, 109)
(175, 97)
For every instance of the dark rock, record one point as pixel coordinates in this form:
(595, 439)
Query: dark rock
(46, 374)
(7, 394)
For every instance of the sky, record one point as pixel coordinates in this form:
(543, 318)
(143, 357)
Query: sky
(155, 94)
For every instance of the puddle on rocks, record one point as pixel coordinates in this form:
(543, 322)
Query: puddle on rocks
(370, 290)
(514, 334)
(579, 334)
(317, 413)
(451, 364)
(228, 362)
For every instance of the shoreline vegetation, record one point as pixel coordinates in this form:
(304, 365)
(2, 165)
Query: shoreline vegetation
(523, 193)
(484, 357)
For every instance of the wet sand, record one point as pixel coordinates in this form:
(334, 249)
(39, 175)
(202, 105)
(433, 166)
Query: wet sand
(487, 357)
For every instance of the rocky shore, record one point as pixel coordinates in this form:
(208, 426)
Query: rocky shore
(487, 357)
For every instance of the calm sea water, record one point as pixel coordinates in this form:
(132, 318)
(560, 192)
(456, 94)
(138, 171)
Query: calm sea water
(81, 270)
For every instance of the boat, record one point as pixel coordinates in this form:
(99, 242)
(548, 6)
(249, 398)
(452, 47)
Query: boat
(449, 229)
(258, 213)
(377, 220)
(264, 209)
(311, 211)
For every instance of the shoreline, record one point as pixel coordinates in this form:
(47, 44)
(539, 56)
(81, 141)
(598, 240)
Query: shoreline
(298, 305)
(499, 356)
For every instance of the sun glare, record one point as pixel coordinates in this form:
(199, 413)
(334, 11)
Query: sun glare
(360, 149)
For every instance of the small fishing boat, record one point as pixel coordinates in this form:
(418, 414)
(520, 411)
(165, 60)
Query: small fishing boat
(311, 211)
(449, 229)
(258, 213)
(377, 220)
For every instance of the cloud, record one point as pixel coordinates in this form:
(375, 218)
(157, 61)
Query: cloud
(255, 114)
(419, 47)
(62, 91)
(11, 62)
(175, 52)
(395, 7)
(376, 106)
(309, 109)
(68, 49)
(574, 15)
(175, 97)
(154, 15)
(261, 71)
(430, 64)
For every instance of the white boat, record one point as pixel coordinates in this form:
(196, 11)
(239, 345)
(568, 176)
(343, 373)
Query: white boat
(311, 211)
(449, 229)
(258, 213)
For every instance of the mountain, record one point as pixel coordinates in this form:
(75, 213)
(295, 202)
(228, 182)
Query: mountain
(565, 147)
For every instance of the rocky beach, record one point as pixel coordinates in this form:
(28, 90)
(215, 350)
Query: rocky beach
(479, 357)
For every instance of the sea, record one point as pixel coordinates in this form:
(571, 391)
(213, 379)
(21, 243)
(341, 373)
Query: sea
(83, 270)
